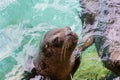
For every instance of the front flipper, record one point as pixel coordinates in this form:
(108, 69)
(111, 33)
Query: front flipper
(76, 62)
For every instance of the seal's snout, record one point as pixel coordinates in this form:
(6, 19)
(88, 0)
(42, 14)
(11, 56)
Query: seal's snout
(68, 31)
(67, 28)
(70, 35)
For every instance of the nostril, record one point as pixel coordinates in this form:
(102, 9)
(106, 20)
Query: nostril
(68, 28)
(68, 32)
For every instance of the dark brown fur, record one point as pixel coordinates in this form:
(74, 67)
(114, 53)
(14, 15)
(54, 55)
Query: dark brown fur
(56, 59)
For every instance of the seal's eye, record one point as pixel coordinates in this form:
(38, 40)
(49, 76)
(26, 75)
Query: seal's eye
(57, 42)
(56, 39)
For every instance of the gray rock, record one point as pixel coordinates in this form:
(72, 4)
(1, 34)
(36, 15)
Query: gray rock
(101, 25)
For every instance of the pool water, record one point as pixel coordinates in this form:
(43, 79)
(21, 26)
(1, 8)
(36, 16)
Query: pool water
(22, 25)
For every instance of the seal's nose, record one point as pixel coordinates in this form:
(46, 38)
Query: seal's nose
(68, 28)
(68, 31)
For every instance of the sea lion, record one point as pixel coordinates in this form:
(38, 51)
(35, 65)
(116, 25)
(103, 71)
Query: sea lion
(101, 25)
(56, 59)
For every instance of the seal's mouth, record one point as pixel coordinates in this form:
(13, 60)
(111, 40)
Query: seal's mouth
(70, 42)
(71, 36)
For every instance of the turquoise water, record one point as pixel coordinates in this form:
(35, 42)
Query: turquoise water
(23, 24)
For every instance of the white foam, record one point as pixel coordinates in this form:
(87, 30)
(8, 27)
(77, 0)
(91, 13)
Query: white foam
(5, 3)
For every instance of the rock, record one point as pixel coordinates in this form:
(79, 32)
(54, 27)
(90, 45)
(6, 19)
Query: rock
(101, 25)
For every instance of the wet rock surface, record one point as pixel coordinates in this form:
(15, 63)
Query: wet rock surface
(101, 21)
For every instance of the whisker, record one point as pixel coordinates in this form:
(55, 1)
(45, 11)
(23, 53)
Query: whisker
(62, 51)
(66, 47)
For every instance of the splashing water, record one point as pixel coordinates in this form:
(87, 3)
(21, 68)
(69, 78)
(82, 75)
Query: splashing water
(23, 24)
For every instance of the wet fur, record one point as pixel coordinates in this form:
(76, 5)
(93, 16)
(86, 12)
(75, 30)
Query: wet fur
(57, 61)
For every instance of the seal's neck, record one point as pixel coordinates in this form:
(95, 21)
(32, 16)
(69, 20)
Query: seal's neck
(53, 66)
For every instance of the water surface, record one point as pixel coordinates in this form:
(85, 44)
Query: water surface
(22, 25)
